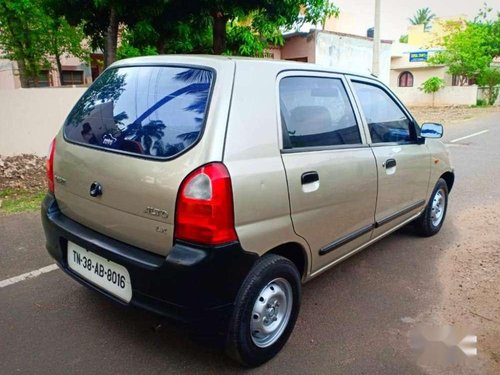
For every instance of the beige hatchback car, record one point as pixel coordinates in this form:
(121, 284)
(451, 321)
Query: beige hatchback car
(208, 189)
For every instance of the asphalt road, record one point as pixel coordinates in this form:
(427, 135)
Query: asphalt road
(354, 318)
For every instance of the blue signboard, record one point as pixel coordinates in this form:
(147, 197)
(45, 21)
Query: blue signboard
(418, 56)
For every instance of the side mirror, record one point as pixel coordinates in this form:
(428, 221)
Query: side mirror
(431, 130)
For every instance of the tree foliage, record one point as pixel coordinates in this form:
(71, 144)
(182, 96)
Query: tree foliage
(470, 49)
(31, 36)
(227, 26)
(62, 39)
(22, 37)
(431, 86)
(128, 48)
(490, 78)
(31, 30)
(467, 51)
(423, 16)
(199, 26)
(101, 19)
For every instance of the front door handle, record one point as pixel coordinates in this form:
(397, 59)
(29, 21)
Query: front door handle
(309, 177)
(389, 163)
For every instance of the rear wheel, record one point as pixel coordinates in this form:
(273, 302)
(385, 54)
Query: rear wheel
(431, 220)
(265, 311)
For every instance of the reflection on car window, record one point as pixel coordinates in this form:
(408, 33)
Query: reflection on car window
(316, 112)
(386, 121)
(157, 111)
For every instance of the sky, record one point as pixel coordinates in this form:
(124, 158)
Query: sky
(395, 13)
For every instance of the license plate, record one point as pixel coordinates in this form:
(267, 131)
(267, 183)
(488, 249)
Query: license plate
(108, 275)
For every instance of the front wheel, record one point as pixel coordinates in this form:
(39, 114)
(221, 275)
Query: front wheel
(265, 311)
(431, 220)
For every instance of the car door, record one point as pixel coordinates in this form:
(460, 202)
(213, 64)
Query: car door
(331, 172)
(403, 162)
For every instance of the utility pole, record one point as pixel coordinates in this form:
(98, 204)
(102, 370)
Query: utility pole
(376, 41)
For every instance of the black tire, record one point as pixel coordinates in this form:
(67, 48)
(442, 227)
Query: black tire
(426, 225)
(240, 343)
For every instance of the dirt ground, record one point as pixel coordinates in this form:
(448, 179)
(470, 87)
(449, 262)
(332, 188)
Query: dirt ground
(470, 277)
(450, 115)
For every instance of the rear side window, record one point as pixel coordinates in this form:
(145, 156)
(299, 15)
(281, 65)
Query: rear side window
(386, 121)
(316, 111)
(155, 111)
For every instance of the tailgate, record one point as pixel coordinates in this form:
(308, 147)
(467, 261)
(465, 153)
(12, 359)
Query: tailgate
(137, 132)
(137, 204)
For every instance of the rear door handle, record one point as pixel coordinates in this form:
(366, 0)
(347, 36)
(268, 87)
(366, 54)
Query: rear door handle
(389, 163)
(308, 177)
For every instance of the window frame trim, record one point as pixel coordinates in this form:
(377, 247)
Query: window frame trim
(142, 156)
(298, 73)
(63, 83)
(414, 127)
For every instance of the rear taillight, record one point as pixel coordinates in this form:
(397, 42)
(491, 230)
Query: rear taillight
(50, 165)
(204, 212)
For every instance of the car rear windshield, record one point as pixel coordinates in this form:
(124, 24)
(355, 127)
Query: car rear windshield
(155, 111)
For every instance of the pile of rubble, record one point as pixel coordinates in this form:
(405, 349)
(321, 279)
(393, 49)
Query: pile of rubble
(23, 172)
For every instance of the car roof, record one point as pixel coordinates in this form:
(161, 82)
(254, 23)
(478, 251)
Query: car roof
(210, 60)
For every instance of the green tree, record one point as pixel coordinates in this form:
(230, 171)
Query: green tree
(470, 50)
(127, 47)
(423, 16)
(272, 14)
(171, 29)
(321, 11)
(63, 39)
(31, 36)
(101, 19)
(431, 86)
(22, 37)
(490, 78)
(223, 26)
(467, 52)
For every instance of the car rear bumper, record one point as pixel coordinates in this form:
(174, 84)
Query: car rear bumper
(193, 284)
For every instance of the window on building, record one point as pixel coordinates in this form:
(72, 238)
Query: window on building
(315, 112)
(72, 77)
(43, 80)
(298, 59)
(405, 79)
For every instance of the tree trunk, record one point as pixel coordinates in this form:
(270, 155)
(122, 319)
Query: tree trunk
(59, 69)
(219, 32)
(111, 39)
(160, 46)
(22, 73)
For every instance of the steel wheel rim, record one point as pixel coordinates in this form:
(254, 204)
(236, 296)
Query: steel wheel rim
(271, 312)
(438, 207)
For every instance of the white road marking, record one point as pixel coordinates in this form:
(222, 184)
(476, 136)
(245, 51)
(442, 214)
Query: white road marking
(470, 135)
(28, 275)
